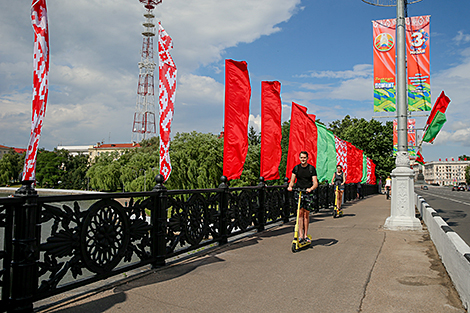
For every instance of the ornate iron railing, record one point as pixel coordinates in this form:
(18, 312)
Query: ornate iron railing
(53, 244)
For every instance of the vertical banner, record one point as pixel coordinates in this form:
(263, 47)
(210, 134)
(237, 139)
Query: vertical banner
(342, 155)
(167, 85)
(302, 137)
(271, 129)
(40, 85)
(326, 153)
(418, 63)
(237, 114)
(384, 65)
(411, 137)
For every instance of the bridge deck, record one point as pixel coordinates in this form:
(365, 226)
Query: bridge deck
(354, 266)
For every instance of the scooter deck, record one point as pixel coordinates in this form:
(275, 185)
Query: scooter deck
(296, 245)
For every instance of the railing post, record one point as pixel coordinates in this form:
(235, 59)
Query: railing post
(25, 244)
(159, 224)
(262, 204)
(287, 208)
(223, 209)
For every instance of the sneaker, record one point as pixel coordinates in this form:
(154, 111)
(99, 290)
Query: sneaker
(301, 240)
(308, 240)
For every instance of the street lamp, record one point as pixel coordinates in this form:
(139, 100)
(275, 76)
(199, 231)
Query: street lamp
(402, 215)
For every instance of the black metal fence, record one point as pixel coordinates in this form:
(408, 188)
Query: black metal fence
(53, 244)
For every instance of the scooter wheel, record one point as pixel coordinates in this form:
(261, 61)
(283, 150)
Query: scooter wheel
(294, 249)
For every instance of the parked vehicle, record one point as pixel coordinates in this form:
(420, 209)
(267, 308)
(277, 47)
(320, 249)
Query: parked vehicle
(455, 188)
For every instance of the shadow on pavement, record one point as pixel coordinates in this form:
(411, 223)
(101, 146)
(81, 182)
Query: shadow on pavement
(326, 242)
(100, 305)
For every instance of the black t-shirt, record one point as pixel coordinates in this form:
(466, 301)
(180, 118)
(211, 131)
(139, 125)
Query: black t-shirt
(304, 175)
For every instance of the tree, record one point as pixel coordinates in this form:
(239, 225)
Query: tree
(197, 161)
(11, 165)
(105, 173)
(373, 137)
(464, 157)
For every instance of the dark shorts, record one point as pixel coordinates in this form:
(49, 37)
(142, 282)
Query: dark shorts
(340, 187)
(307, 202)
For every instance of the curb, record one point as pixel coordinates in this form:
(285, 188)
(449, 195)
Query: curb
(453, 250)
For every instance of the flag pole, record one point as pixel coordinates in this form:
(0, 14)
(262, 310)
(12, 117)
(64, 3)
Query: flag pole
(402, 215)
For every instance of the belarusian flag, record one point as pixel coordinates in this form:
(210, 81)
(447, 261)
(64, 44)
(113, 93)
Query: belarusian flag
(326, 155)
(420, 159)
(437, 118)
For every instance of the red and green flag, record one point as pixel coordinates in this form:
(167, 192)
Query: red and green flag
(420, 159)
(437, 118)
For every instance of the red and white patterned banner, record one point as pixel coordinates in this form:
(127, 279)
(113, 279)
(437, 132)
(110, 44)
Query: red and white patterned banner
(40, 84)
(167, 86)
(342, 154)
(369, 170)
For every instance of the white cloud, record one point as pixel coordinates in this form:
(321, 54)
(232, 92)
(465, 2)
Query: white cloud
(461, 38)
(95, 47)
(359, 70)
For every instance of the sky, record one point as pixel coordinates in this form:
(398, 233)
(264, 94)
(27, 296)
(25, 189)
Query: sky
(320, 51)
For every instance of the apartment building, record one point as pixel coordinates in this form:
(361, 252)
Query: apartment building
(444, 173)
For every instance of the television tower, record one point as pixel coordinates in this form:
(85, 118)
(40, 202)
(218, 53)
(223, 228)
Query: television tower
(144, 116)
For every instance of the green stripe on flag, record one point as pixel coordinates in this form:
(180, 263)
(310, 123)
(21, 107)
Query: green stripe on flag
(435, 126)
(364, 169)
(326, 153)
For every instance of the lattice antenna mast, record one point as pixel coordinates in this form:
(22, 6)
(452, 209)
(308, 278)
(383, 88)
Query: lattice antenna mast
(144, 117)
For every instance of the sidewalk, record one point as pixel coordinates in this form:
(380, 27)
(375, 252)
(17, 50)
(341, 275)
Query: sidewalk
(354, 266)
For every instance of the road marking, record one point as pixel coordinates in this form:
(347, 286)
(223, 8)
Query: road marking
(458, 201)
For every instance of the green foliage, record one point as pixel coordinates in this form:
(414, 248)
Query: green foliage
(197, 161)
(104, 174)
(11, 165)
(373, 137)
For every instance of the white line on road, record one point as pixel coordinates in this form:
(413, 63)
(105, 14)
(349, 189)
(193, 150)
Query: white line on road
(458, 201)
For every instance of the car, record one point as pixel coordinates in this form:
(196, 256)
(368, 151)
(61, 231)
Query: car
(462, 188)
(455, 188)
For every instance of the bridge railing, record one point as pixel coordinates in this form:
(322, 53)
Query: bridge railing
(53, 244)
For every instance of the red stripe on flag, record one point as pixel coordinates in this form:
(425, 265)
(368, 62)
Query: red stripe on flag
(271, 129)
(167, 85)
(441, 105)
(302, 137)
(237, 114)
(40, 84)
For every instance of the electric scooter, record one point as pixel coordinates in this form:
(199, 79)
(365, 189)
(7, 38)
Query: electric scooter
(336, 212)
(296, 244)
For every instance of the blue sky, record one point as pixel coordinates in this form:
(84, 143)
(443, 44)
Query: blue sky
(320, 51)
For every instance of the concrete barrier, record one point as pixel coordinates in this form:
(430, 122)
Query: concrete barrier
(453, 250)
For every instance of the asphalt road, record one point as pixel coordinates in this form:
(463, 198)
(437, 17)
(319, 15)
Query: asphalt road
(452, 206)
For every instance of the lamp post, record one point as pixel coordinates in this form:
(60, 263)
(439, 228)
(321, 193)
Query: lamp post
(402, 215)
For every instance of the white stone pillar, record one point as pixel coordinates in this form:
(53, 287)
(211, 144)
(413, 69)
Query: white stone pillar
(403, 215)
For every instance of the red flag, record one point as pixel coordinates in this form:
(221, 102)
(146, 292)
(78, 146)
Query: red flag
(441, 105)
(373, 179)
(167, 85)
(271, 129)
(354, 164)
(237, 114)
(420, 158)
(302, 137)
(40, 84)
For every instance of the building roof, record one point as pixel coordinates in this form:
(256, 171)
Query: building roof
(116, 145)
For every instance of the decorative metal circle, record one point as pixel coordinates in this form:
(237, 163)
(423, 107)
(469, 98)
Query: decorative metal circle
(245, 215)
(196, 219)
(105, 236)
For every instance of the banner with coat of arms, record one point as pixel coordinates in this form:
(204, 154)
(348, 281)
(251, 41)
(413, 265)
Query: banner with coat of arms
(418, 63)
(384, 65)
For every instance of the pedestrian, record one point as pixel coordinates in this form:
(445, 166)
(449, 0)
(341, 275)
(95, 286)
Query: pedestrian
(339, 178)
(359, 191)
(306, 176)
(388, 186)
